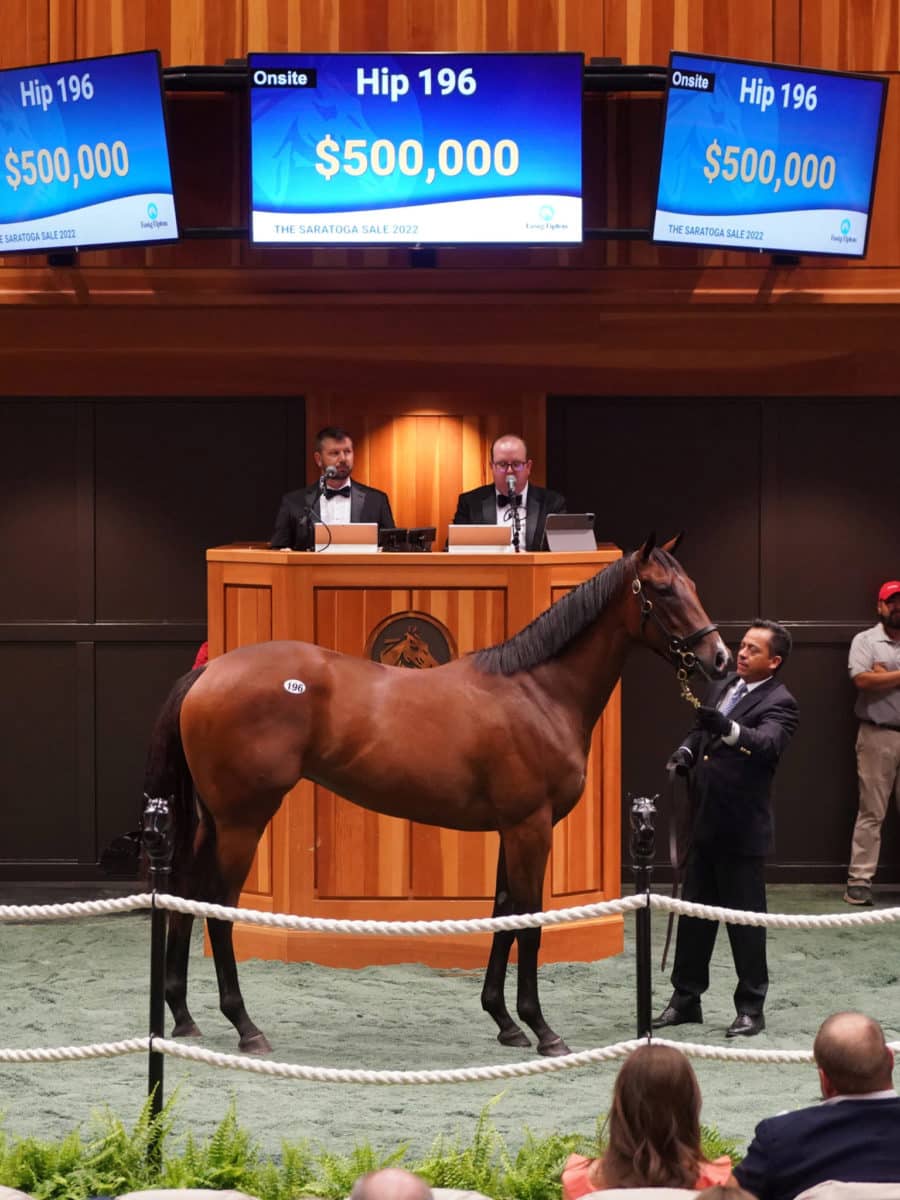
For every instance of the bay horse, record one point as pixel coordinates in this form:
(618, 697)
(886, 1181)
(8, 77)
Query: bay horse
(234, 737)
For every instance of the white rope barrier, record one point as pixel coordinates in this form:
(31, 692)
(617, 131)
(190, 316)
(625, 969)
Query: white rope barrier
(875, 916)
(559, 916)
(51, 912)
(81, 908)
(76, 1053)
(281, 1070)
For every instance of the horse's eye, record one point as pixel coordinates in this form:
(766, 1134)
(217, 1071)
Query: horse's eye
(665, 590)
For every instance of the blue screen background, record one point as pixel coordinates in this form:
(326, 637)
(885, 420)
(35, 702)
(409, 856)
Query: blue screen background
(844, 124)
(532, 99)
(126, 106)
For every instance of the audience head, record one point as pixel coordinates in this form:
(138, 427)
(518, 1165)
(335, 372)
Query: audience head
(390, 1183)
(852, 1056)
(334, 448)
(509, 456)
(654, 1122)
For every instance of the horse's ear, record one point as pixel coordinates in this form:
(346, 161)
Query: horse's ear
(647, 549)
(671, 547)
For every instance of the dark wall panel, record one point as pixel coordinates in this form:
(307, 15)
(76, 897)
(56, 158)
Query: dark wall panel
(106, 509)
(39, 753)
(133, 680)
(173, 478)
(644, 465)
(783, 518)
(38, 509)
(837, 536)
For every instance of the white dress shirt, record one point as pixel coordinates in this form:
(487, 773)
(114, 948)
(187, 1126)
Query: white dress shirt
(505, 513)
(335, 510)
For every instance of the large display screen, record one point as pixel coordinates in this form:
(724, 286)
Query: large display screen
(84, 159)
(415, 148)
(757, 156)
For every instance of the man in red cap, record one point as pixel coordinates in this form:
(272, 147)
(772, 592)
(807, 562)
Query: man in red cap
(875, 669)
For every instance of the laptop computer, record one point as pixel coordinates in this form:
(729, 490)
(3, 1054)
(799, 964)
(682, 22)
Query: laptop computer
(570, 531)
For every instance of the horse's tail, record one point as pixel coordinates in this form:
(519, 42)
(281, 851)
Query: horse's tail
(167, 775)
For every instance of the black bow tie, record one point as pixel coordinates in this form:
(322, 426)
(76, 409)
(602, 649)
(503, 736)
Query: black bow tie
(502, 500)
(330, 493)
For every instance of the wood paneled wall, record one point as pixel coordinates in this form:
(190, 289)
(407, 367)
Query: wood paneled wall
(623, 133)
(426, 448)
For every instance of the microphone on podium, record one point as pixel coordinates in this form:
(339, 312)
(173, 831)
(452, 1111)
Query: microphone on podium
(511, 487)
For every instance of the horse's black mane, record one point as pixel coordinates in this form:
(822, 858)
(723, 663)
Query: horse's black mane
(550, 633)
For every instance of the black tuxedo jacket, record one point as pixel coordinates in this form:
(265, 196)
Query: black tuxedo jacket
(479, 507)
(732, 785)
(855, 1140)
(300, 510)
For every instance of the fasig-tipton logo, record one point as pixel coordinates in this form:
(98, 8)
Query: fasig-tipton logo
(845, 237)
(411, 639)
(155, 221)
(547, 212)
(693, 81)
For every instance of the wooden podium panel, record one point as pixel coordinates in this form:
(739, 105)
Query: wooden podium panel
(322, 856)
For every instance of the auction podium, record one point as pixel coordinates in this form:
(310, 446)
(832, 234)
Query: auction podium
(322, 856)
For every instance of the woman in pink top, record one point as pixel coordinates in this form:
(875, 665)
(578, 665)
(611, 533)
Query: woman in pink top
(654, 1131)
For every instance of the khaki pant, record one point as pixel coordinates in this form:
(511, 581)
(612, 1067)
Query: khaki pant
(878, 767)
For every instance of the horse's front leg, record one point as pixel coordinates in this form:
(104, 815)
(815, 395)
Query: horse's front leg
(493, 999)
(527, 850)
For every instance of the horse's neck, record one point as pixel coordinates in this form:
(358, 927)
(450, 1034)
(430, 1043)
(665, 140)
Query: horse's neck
(584, 674)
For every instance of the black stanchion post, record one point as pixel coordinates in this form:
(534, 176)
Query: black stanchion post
(643, 845)
(156, 836)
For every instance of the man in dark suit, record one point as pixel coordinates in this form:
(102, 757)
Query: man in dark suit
(335, 499)
(509, 494)
(731, 756)
(853, 1136)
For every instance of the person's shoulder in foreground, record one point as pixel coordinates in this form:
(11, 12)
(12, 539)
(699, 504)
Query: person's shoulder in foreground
(853, 1135)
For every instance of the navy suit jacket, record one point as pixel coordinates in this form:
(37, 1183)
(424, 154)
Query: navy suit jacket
(855, 1140)
(732, 785)
(299, 511)
(479, 507)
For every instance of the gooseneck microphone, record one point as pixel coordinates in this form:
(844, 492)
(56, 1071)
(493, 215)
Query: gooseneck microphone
(328, 473)
(515, 510)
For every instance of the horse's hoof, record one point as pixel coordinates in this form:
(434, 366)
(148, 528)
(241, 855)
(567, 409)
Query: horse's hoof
(186, 1029)
(555, 1048)
(256, 1043)
(513, 1037)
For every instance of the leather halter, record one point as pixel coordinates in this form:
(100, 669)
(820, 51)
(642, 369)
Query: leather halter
(679, 649)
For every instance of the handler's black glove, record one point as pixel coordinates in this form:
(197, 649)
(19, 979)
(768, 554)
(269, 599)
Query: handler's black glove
(713, 721)
(680, 761)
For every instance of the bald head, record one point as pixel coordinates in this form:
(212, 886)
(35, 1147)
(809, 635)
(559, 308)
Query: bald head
(852, 1056)
(391, 1183)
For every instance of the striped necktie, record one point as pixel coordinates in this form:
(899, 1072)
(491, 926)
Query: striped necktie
(734, 697)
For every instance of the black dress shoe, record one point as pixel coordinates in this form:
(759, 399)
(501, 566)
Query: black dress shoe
(746, 1025)
(678, 1016)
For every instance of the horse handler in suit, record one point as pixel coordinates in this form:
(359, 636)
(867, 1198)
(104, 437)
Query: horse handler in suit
(335, 499)
(851, 1136)
(493, 505)
(731, 756)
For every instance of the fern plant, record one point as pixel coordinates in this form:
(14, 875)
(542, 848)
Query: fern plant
(109, 1160)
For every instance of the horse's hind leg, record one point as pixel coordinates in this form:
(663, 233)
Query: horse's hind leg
(527, 849)
(234, 850)
(178, 948)
(493, 1000)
